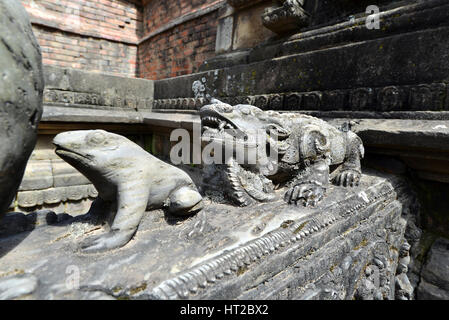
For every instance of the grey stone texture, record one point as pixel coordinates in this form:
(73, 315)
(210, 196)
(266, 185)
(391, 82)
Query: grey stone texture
(269, 251)
(70, 87)
(129, 180)
(434, 283)
(20, 96)
(383, 70)
(304, 147)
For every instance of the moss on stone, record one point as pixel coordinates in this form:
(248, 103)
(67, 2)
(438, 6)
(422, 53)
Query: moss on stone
(297, 230)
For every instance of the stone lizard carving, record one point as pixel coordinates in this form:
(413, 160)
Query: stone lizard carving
(129, 180)
(305, 147)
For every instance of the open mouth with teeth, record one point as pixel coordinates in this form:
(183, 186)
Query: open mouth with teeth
(215, 127)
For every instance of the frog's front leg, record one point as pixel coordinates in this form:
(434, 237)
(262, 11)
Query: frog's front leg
(350, 171)
(310, 185)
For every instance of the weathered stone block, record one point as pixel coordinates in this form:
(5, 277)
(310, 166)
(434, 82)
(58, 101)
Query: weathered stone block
(38, 176)
(96, 90)
(271, 251)
(66, 176)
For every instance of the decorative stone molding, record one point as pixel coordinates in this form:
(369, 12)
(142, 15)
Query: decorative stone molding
(290, 17)
(70, 87)
(421, 97)
(210, 272)
(51, 196)
(52, 96)
(285, 251)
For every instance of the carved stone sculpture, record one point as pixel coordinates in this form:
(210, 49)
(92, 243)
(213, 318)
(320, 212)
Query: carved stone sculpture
(21, 87)
(305, 147)
(129, 180)
(289, 17)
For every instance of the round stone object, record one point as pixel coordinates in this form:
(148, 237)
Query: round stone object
(21, 90)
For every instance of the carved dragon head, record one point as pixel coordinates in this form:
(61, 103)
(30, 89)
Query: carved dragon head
(244, 124)
(221, 121)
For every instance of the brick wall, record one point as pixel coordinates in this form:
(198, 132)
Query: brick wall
(158, 13)
(94, 35)
(180, 50)
(152, 39)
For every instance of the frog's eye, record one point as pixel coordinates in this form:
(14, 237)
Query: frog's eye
(96, 138)
(245, 111)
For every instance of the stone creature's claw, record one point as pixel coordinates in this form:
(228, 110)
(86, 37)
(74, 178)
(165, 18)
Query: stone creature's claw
(348, 178)
(306, 194)
(107, 241)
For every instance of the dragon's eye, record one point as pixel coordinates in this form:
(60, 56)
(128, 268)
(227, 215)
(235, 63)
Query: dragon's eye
(245, 111)
(96, 138)
(227, 108)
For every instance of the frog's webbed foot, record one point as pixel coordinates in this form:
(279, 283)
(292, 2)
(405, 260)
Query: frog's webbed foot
(348, 178)
(307, 194)
(107, 241)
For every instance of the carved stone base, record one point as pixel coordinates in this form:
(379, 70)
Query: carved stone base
(268, 251)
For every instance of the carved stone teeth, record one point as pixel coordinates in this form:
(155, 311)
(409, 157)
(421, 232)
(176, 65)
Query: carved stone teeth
(174, 286)
(261, 247)
(315, 228)
(248, 256)
(270, 244)
(229, 264)
(216, 265)
(256, 250)
(190, 282)
(201, 278)
(302, 234)
(182, 290)
(293, 239)
(276, 240)
(265, 246)
(239, 258)
(166, 292)
(298, 237)
(306, 232)
(210, 277)
(252, 252)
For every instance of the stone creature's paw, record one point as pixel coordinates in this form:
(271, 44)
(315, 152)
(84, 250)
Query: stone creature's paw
(348, 178)
(107, 241)
(185, 201)
(305, 194)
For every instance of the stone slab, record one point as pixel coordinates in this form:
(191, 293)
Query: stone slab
(434, 284)
(222, 252)
(69, 87)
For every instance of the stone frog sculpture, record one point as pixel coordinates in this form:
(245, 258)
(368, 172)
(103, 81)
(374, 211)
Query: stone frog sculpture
(129, 181)
(305, 148)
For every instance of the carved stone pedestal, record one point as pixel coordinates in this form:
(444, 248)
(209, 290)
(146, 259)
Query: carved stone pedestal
(348, 246)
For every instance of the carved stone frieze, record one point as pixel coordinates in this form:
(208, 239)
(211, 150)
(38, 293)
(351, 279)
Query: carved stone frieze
(31, 199)
(422, 97)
